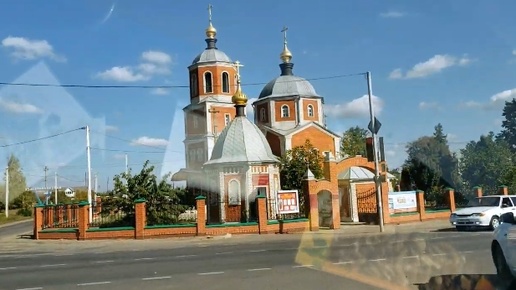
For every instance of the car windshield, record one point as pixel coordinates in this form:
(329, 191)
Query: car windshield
(484, 201)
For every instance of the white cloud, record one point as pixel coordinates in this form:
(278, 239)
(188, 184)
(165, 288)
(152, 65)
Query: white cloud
(110, 128)
(496, 101)
(435, 64)
(159, 91)
(157, 57)
(452, 137)
(148, 141)
(152, 63)
(119, 156)
(514, 52)
(122, 74)
(354, 109)
(249, 108)
(429, 106)
(30, 49)
(392, 14)
(20, 108)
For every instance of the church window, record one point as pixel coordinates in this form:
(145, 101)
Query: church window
(193, 84)
(234, 192)
(310, 110)
(225, 82)
(227, 119)
(285, 111)
(263, 116)
(208, 82)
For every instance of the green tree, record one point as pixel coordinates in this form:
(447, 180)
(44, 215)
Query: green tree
(354, 142)
(508, 132)
(487, 162)
(295, 162)
(162, 199)
(17, 182)
(431, 165)
(24, 203)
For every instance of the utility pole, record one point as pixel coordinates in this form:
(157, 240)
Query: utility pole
(377, 180)
(55, 188)
(88, 155)
(45, 169)
(107, 184)
(126, 164)
(96, 187)
(7, 191)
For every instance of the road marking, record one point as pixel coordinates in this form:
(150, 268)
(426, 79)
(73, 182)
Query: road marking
(94, 283)
(302, 266)
(33, 288)
(224, 253)
(377, 260)
(436, 238)
(157, 278)
(185, 256)
(439, 254)
(410, 257)
(7, 268)
(343, 262)
(61, 255)
(52, 265)
(104, 262)
(210, 273)
(468, 252)
(144, 259)
(258, 269)
(257, 251)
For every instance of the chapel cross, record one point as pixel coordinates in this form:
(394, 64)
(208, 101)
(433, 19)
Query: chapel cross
(284, 30)
(237, 66)
(209, 12)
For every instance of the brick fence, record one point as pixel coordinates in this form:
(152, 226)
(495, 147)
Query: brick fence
(423, 214)
(70, 222)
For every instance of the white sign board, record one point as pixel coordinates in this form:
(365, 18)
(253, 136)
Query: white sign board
(69, 192)
(288, 201)
(402, 201)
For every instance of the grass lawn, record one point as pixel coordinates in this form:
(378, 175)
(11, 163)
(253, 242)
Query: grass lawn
(13, 217)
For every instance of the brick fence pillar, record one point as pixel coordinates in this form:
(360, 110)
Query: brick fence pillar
(38, 221)
(262, 214)
(503, 190)
(61, 208)
(83, 225)
(50, 209)
(420, 201)
(200, 205)
(140, 218)
(449, 194)
(477, 190)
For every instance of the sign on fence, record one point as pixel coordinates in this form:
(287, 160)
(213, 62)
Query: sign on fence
(288, 201)
(402, 201)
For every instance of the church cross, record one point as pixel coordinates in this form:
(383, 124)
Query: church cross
(237, 66)
(209, 12)
(284, 30)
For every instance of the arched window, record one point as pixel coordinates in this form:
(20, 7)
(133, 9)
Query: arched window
(263, 116)
(285, 111)
(194, 84)
(310, 110)
(225, 82)
(208, 82)
(227, 119)
(234, 192)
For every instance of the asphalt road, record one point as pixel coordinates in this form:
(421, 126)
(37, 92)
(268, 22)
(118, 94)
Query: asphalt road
(308, 261)
(24, 227)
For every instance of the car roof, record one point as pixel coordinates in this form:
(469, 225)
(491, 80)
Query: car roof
(499, 195)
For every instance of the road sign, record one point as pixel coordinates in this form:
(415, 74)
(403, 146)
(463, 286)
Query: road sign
(377, 126)
(48, 193)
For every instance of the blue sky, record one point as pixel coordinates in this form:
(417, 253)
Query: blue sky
(452, 62)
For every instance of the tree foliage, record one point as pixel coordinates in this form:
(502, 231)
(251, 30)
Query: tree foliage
(354, 142)
(24, 203)
(17, 182)
(295, 162)
(431, 165)
(162, 199)
(508, 133)
(486, 163)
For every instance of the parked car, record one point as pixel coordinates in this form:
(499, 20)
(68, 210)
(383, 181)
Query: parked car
(483, 211)
(503, 250)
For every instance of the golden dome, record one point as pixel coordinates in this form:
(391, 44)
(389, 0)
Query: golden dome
(211, 32)
(286, 55)
(239, 98)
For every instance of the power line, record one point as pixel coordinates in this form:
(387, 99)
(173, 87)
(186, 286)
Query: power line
(131, 151)
(42, 138)
(161, 86)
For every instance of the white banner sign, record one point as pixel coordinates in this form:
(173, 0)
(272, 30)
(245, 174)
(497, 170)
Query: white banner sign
(288, 201)
(402, 201)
